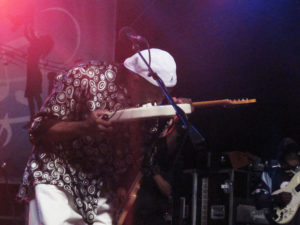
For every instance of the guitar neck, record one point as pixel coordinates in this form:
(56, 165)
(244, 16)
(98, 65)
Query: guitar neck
(209, 103)
(223, 102)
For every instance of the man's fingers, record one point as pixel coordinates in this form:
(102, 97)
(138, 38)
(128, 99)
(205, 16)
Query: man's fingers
(182, 100)
(104, 128)
(98, 125)
(103, 122)
(100, 112)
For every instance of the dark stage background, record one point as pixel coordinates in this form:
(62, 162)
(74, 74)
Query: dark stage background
(223, 49)
(229, 49)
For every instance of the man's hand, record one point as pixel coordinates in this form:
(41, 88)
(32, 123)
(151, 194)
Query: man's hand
(283, 199)
(96, 124)
(93, 125)
(163, 185)
(183, 100)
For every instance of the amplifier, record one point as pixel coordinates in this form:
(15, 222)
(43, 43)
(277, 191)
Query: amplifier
(247, 213)
(224, 195)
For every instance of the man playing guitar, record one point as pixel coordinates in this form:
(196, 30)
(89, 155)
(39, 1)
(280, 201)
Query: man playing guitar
(81, 160)
(273, 192)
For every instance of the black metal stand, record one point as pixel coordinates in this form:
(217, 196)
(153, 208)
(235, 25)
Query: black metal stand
(195, 136)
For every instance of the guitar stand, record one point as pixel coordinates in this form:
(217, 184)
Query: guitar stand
(194, 174)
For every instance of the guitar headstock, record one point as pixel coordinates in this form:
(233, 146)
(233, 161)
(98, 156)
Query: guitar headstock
(240, 101)
(224, 102)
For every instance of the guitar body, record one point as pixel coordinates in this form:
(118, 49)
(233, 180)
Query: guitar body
(147, 112)
(285, 215)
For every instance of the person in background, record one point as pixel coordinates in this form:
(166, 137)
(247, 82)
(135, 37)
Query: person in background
(39, 46)
(277, 175)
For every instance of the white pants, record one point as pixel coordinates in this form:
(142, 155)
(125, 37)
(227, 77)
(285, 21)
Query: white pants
(53, 206)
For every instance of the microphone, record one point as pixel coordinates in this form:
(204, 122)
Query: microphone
(129, 33)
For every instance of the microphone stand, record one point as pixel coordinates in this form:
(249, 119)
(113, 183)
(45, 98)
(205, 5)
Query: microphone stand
(195, 136)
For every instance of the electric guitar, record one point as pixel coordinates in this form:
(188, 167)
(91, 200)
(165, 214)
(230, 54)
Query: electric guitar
(149, 111)
(286, 214)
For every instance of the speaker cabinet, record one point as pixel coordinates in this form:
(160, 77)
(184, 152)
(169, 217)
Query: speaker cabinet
(228, 194)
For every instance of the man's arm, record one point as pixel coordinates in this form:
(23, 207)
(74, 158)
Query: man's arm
(263, 196)
(61, 118)
(55, 131)
(163, 185)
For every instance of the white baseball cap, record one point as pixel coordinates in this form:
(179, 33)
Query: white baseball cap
(162, 63)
